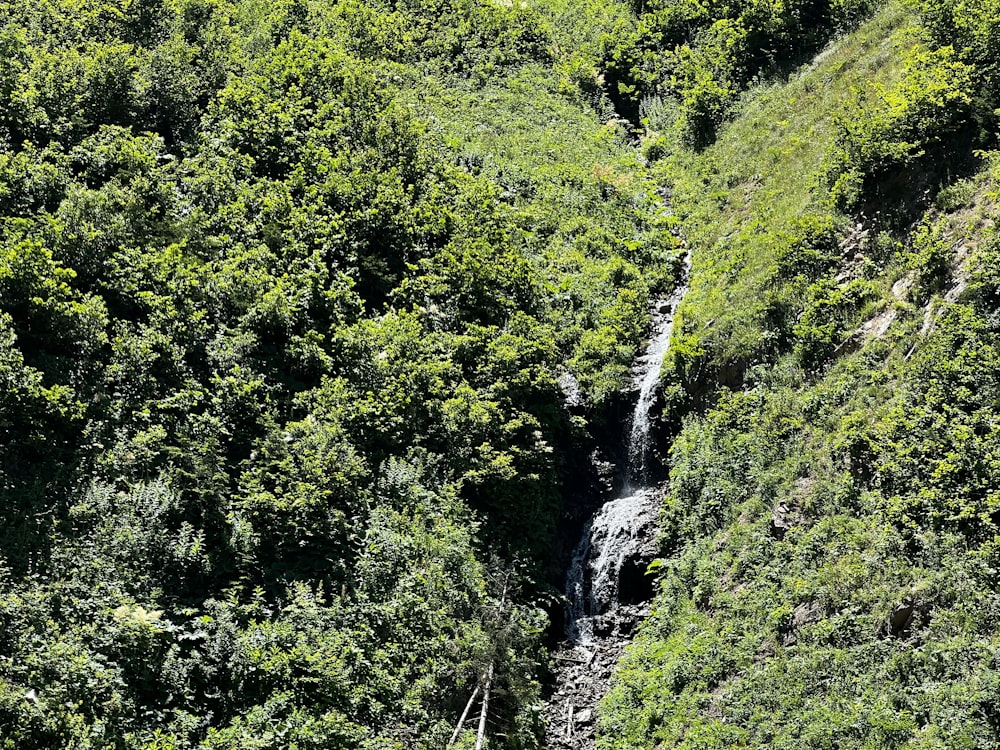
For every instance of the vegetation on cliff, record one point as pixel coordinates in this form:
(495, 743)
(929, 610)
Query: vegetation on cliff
(285, 292)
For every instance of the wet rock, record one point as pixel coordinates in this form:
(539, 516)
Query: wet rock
(901, 618)
(634, 585)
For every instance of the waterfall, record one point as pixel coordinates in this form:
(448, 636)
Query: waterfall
(613, 535)
(646, 377)
(622, 527)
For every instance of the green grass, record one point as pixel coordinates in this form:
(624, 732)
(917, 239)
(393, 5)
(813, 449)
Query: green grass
(829, 537)
(586, 206)
(739, 197)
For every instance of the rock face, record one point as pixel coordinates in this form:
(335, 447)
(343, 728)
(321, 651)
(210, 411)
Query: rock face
(583, 675)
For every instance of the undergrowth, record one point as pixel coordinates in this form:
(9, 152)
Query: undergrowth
(829, 542)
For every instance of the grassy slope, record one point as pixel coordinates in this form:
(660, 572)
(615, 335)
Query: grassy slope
(590, 218)
(739, 198)
(829, 571)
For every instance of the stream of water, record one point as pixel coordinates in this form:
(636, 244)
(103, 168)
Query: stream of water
(619, 530)
(617, 537)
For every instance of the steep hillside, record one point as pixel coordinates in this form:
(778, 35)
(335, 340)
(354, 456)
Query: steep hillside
(286, 291)
(314, 316)
(828, 574)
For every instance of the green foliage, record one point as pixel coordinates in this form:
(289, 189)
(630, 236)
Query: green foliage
(971, 30)
(705, 55)
(882, 137)
(828, 306)
(755, 209)
(708, 78)
(284, 291)
(828, 570)
(829, 551)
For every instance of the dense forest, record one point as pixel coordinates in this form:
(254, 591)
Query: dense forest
(291, 297)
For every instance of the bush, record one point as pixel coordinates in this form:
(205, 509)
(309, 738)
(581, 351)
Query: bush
(893, 134)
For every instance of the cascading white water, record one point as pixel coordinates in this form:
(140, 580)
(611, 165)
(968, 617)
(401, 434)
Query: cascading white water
(611, 537)
(646, 377)
(619, 529)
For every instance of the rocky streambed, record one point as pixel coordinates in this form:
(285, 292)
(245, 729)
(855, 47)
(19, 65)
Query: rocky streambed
(583, 675)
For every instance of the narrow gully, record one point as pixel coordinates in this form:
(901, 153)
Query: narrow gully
(606, 588)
